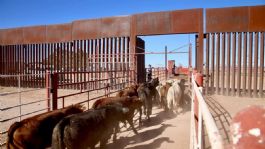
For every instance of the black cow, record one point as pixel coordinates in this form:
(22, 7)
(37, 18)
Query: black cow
(132, 103)
(146, 92)
(87, 129)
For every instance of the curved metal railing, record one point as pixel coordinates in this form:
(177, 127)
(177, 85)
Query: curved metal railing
(201, 114)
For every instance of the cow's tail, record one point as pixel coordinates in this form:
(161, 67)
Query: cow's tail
(58, 134)
(10, 138)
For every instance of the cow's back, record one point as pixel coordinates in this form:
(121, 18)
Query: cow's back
(177, 92)
(87, 129)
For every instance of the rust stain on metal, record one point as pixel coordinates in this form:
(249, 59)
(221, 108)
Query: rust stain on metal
(12, 36)
(34, 34)
(1, 36)
(115, 26)
(59, 33)
(227, 19)
(186, 21)
(104, 27)
(153, 23)
(169, 22)
(257, 21)
(235, 19)
(86, 29)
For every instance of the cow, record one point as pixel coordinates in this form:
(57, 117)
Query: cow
(36, 132)
(163, 91)
(132, 103)
(129, 91)
(174, 95)
(146, 92)
(80, 131)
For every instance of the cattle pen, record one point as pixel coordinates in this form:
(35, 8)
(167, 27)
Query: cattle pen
(48, 67)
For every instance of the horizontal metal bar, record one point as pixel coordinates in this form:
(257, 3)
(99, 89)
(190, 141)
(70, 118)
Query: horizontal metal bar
(21, 75)
(60, 97)
(7, 108)
(74, 72)
(22, 115)
(98, 97)
(10, 93)
(67, 84)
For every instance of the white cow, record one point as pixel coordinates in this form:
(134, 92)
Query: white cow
(174, 95)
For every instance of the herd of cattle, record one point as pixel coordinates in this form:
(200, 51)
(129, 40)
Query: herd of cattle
(74, 128)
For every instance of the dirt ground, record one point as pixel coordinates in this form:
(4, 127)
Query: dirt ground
(39, 97)
(224, 108)
(165, 130)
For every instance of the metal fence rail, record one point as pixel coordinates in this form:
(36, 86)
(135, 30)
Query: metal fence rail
(201, 114)
(11, 93)
(102, 83)
(159, 72)
(107, 81)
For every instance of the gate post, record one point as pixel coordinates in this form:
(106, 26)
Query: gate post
(48, 89)
(54, 90)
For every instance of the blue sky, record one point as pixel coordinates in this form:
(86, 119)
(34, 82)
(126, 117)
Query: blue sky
(15, 13)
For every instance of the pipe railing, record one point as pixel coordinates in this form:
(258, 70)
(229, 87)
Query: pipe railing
(19, 91)
(159, 72)
(101, 81)
(201, 114)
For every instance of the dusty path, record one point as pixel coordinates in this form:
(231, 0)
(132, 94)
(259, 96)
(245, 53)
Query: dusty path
(164, 131)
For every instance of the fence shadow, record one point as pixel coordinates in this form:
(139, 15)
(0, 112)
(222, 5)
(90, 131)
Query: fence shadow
(122, 142)
(159, 118)
(185, 104)
(221, 117)
(154, 145)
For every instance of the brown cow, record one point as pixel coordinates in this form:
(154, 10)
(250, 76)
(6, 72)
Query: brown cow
(129, 91)
(132, 103)
(36, 132)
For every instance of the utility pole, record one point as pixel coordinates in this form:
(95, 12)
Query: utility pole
(166, 61)
(190, 56)
(190, 63)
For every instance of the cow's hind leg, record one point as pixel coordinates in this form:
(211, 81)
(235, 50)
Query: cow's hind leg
(140, 116)
(165, 106)
(116, 129)
(104, 141)
(130, 121)
(149, 107)
(146, 108)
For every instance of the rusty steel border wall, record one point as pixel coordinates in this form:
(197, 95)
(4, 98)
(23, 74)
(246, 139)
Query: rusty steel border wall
(219, 24)
(235, 51)
(25, 49)
(95, 55)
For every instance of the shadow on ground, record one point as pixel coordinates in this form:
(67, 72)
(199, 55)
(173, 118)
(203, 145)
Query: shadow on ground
(157, 120)
(221, 117)
(155, 144)
(142, 137)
